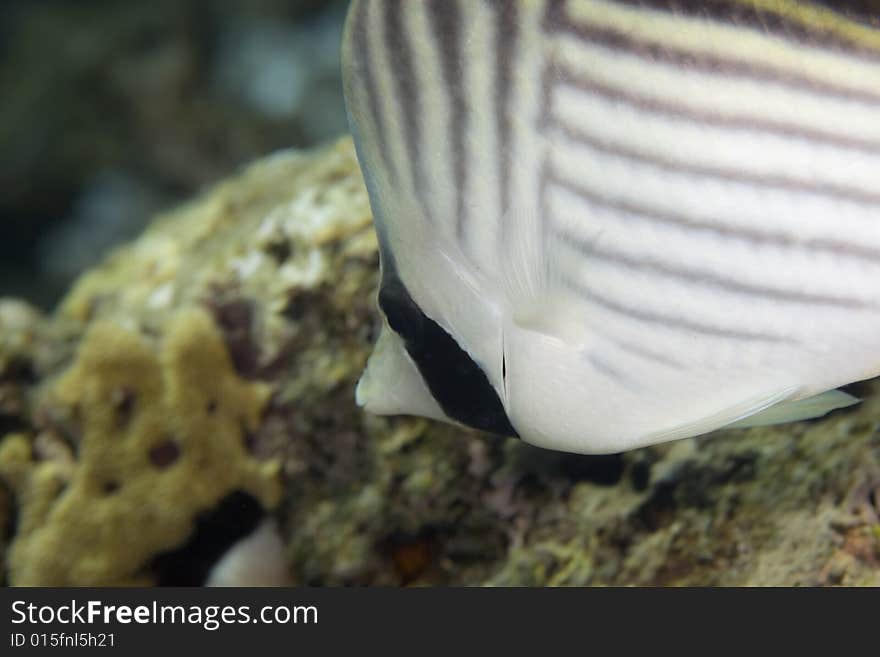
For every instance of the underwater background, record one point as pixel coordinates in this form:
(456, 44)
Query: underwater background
(188, 272)
(112, 111)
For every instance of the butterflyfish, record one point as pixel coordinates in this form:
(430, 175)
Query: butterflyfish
(604, 224)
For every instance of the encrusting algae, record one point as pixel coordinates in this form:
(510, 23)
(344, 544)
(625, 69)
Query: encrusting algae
(163, 439)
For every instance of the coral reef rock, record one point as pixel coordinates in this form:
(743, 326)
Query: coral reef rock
(215, 358)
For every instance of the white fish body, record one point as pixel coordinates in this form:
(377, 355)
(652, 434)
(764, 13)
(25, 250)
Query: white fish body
(605, 224)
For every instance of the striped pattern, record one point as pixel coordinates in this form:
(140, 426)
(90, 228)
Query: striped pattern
(687, 175)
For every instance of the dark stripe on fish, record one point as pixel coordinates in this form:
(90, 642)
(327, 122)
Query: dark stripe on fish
(445, 18)
(588, 84)
(645, 354)
(456, 382)
(400, 54)
(363, 48)
(746, 15)
(590, 250)
(549, 78)
(668, 321)
(866, 12)
(611, 372)
(655, 50)
(583, 138)
(505, 48)
(713, 226)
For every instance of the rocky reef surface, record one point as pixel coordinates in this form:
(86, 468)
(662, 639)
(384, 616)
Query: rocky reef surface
(201, 380)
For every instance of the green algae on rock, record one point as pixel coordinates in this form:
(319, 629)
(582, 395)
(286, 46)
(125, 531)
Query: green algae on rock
(284, 258)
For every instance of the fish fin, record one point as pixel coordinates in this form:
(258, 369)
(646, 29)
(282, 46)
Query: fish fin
(776, 408)
(391, 383)
(523, 269)
(723, 418)
(794, 411)
(533, 282)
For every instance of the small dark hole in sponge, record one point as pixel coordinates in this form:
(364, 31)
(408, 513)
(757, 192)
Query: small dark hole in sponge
(164, 454)
(248, 438)
(110, 487)
(280, 250)
(123, 400)
(211, 407)
(62, 488)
